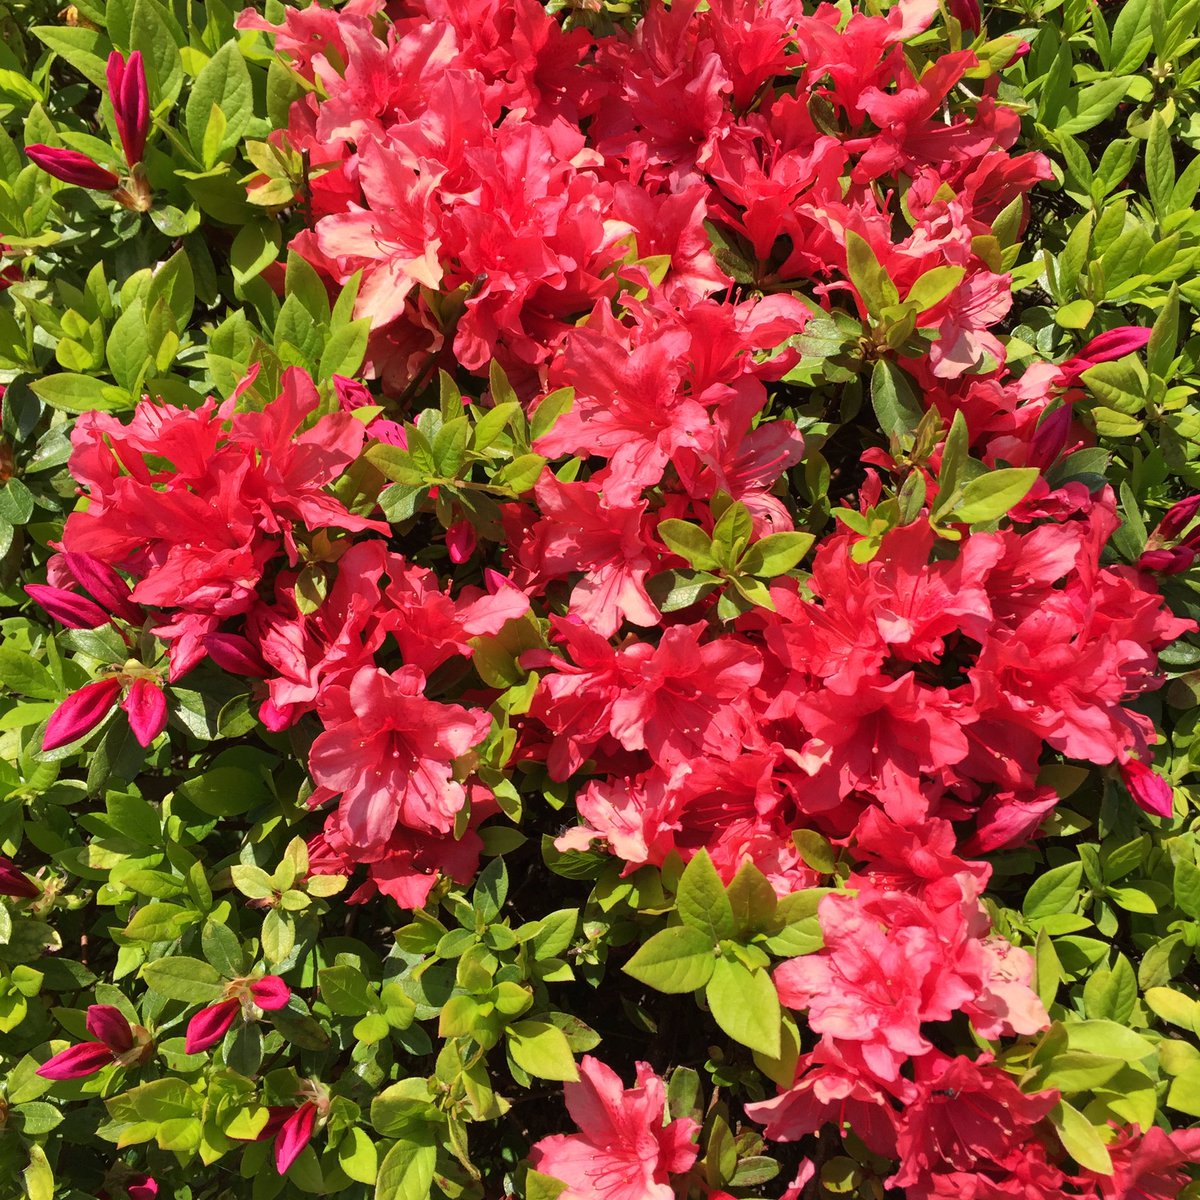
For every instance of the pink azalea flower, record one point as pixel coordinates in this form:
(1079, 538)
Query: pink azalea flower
(389, 753)
(623, 1150)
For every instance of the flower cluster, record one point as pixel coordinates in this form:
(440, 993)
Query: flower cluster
(617, 573)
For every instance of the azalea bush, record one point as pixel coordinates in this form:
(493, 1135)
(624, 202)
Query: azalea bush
(601, 600)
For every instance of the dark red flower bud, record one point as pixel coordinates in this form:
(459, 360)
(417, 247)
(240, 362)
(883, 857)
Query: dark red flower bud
(131, 102)
(77, 1062)
(72, 167)
(235, 654)
(68, 608)
(1177, 518)
(1168, 562)
(14, 881)
(110, 1026)
(146, 707)
(294, 1136)
(81, 712)
(270, 992)
(210, 1025)
(99, 580)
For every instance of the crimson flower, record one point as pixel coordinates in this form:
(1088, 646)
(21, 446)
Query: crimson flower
(131, 102)
(72, 167)
(118, 1042)
(242, 997)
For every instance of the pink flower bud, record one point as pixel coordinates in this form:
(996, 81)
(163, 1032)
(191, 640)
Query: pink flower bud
(99, 580)
(210, 1025)
(14, 881)
(141, 1187)
(235, 654)
(270, 992)
(1178, 517)
(72, 167)
(131, 102)
(146, 707)
(1149, 790)
(1050, 437)
(294, 1136)
(81, 712)
(76, 1062)
(1106, 347)
(351, 394)
(68, 608)
(461, 541)
(966, 13)
(110, 1026)
(1168, 562)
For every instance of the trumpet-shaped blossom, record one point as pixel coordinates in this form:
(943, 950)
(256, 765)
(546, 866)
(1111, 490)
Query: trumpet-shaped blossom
(624, 1149)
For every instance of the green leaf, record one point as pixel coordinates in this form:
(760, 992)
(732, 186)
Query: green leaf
(1184, 1095)
(1174, 1007)
(26, 676)
(186, 979)
(406, 1172)
(344, 988)
(1053, 891)
(701, 901)
(991, 496)
(346, 349)
(254, 248)
(223, 84)
(934, 286)
(1160, 165)
(775, 554)
(745, 1005)
(895, 403)
(689, 541)
(85, 49)
(752, 899)
(1187, 886)
(541, 1049)
(549, 409)
(38, 1175)
(1088, 106)
(80, 393)
(675, 960)
(870, 280)
(357, 1156)
(1081, 1139)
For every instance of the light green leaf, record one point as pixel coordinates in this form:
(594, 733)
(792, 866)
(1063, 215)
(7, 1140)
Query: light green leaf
(701, 901)
(675, 960)
(746, 1006)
